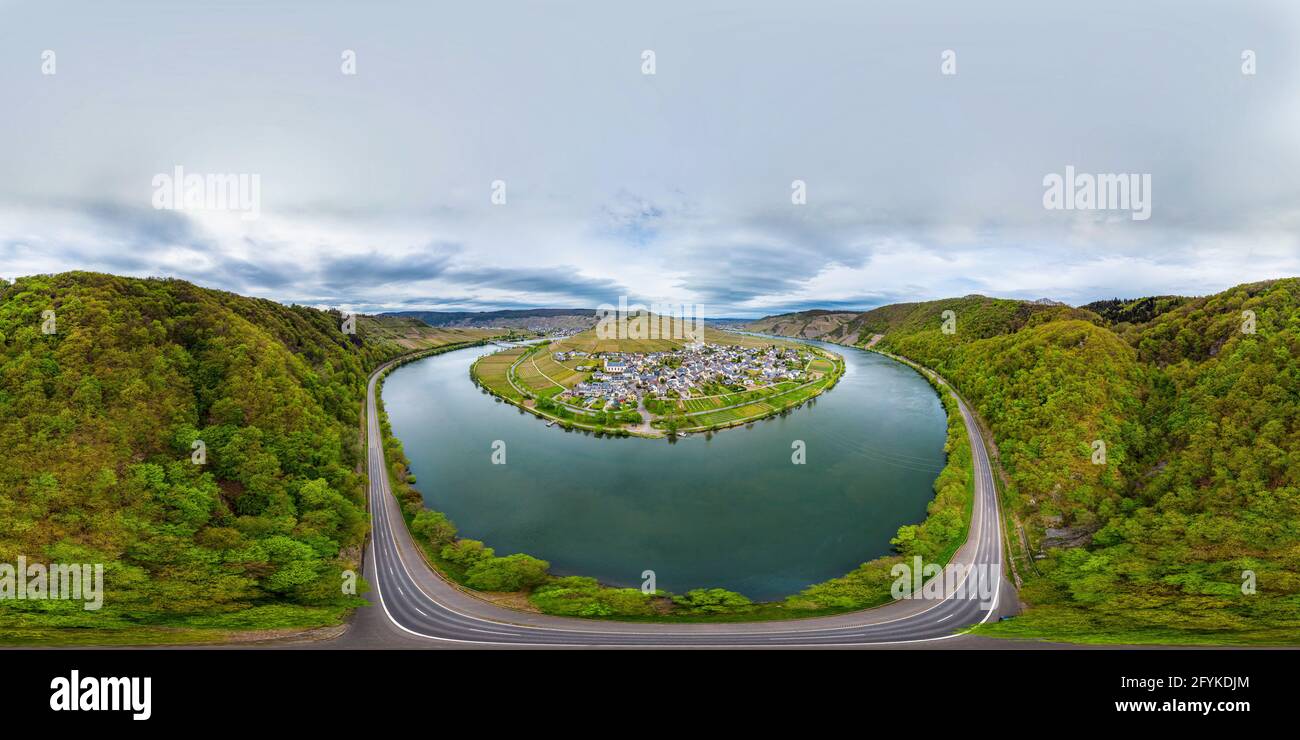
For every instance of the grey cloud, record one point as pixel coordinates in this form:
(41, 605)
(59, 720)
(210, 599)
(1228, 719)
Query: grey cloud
(631, 218)
(143, 226)
(676, 182)
(551, 281)
(376, 269)
(248, 275)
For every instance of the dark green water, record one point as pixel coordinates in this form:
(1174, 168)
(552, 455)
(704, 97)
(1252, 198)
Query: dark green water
(731, 511)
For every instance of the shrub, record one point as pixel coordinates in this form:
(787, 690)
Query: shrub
(511, 573)
(434, 526)
(713, 601)
(466, 552)
(580, 596)
(868, 585)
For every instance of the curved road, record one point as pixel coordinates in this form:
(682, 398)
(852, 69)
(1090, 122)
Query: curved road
(418, 608)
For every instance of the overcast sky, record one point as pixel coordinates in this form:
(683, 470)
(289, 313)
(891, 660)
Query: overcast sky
(375, 188)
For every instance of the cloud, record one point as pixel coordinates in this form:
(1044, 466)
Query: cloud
(376, 269)
(631, 219)
(674, 187)
(552, 281)
(141, 226)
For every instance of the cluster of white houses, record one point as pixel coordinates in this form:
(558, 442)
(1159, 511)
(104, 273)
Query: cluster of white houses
(621, 378)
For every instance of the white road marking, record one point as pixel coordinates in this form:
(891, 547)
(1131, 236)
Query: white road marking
(492, 632)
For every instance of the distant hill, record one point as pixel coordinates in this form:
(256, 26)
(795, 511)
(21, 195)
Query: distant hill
(980, 317)
(545, 319)
(817, 324)
(413, 334)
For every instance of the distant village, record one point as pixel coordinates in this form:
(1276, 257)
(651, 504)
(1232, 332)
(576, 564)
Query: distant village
(554, 334)
(622, 378)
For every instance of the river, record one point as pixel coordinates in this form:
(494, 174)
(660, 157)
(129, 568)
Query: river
(732, 511)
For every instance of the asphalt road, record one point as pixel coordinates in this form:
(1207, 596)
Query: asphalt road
(414, 607)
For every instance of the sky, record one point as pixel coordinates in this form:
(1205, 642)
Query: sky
(376, 189)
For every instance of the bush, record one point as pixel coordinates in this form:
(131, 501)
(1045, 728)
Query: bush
(713, 601)
(466, 552)
(435, 527)
(868, 585)
(580, 596)
(511, 573)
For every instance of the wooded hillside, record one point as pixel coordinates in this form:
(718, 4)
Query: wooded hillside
(1186, 527)
(99, 425)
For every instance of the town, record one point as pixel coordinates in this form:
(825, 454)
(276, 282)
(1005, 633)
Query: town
(699, 369)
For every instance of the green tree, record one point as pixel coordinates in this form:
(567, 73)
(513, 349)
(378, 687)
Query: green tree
(713, 601)
(434, 527)
(466, 552)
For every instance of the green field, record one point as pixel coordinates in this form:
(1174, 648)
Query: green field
(529, 376)
(491, 372)
(563, 374)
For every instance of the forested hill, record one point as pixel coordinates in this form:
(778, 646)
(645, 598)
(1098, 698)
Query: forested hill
(545, 319)
(825, 325)
(983, 317)
(98, 425)
(1151, 450)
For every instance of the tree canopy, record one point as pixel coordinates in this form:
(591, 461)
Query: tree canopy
(203, 446)
(1188, 523)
